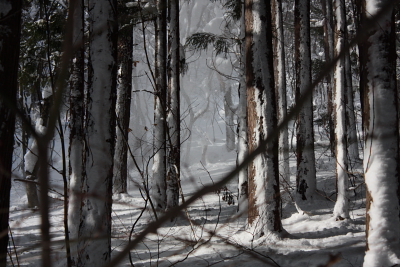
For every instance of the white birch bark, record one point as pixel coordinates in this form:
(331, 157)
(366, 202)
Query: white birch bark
(264, 197)
(94, 245)
(381, 151)
(341, 210)
(306, 176)
(173, 116)
(158, 187)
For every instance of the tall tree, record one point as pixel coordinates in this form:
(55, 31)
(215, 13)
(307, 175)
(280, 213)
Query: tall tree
(158, 188)
(264, 196)
(280, 87)
(124, 97)
(10, 33)
(243, 148)
(381, 145)
(327, 9)
(306, 176)
(173, 116)
(341, 210)
(76, 124)
(94, 243)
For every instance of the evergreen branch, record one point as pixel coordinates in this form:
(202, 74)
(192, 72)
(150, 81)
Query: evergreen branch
(202, 40)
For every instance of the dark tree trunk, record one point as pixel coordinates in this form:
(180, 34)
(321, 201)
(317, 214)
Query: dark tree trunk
(306, 176)
(158, 188)
(76, 124)
(123, 111)
(327, 9)
(10, 23)
(280, 87)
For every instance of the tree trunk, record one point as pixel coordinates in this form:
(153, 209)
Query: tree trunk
(158, 188)
(381, 151)
(31, 157)
(341, 210)
(173, 116)
(264, 197)
(229, 111)
(123, 111)
(243, 148)
(280, 87)
(327, 10)
(352, 139)
(10, 23)
(94, 244)
(306, 177)
(76, 126)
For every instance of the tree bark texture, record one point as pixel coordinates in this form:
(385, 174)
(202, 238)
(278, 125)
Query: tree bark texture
(94, 244)
(264, 197)
(174, 116)
(158, 188)
(352, 138)
(306, 176)
(381, 145)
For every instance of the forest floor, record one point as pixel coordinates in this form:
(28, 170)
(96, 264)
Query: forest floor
(215, 234)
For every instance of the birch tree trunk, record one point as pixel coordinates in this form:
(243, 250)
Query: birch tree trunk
(94, 244)
(381, 151)
(341, 210)
(306, 177)
(76, 126)
(173, 116)
(10, 34)
(280, 87)
(158, 188)
(123, 110)
(264, 197)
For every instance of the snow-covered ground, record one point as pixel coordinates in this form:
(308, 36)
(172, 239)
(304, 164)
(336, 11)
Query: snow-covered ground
(215, 234)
